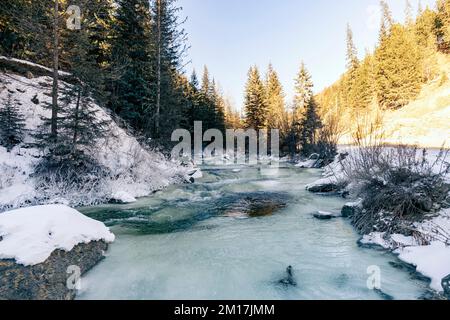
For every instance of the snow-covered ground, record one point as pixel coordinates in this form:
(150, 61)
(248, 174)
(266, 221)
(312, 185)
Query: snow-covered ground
(134, 170)
(30, 235)
(433, 259)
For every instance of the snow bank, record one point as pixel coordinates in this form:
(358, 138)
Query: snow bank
(133, 170)
(30, 235)
(34, 65)
(433, 261)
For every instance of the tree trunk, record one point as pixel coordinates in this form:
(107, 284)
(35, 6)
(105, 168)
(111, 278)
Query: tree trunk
(54, 119)
(158, 93)
(75, 127)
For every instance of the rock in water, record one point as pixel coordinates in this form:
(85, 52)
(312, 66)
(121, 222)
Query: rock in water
(322, 215)
(289, 280)
(383, 295)
(48, 280)
(35, 99)
(352, 208)
(253, 205)
(326, 187)
(446, 286)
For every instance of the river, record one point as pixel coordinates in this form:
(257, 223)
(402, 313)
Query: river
(197, 242)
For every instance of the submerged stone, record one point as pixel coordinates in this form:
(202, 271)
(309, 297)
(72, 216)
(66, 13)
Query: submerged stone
(289, 280)
(254, 205)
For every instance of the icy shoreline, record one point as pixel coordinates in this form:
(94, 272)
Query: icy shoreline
(30, 235)
(431, 259)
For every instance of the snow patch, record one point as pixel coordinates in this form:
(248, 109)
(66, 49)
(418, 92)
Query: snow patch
(123, 197)
(433, 261)
(30, 235)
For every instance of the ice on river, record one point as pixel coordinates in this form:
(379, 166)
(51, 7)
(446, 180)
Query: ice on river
(178, 245)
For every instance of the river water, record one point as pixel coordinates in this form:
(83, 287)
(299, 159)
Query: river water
(198, 242)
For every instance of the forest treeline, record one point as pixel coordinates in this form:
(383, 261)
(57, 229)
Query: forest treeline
(388, 78)
(127, 56)
(392, 75)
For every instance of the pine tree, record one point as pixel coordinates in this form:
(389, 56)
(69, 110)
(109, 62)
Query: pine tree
(99, 15)
(274, 99)
(352, 53)
(256, 112)
(352, 71)
(386, 20)
(309, 124)
(363, 88)
(207, 107)
(168, 40)
(303, 92)
(443, 25)
(219, 103)
(409, 20)
(398, 69)
(131, 48)
(12, 124)
(79, 126)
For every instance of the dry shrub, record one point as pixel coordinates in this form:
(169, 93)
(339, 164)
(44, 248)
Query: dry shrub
(328, 138)
(398, 184)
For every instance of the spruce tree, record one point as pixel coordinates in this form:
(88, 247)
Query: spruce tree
(386, 20)
(352, 53)
(256, 112)
(303, 92)
(309, 124)
(79, 126)
(169, 44)
(398, 69)
(274, 100)
(352, 71)
(130, 53)
(409, 19)
(219, 104)
(12, 124)
(363, 87)
(443, 25)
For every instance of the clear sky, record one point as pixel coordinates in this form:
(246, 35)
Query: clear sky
(231, 35)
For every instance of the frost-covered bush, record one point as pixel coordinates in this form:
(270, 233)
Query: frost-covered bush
(398, 185)
(7, 175)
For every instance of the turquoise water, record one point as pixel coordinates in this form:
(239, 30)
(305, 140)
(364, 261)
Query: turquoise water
(193, 242)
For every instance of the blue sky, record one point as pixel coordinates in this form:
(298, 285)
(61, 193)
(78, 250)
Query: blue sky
(231, 35)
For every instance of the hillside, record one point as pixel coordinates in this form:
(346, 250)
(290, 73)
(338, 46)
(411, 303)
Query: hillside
(133, 170)
(423, 122)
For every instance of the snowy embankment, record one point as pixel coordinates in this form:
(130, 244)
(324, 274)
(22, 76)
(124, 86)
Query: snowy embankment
(133, 170)
(30, 235)
(428, 250)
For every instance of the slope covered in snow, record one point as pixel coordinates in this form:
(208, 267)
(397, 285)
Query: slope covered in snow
(134, 171)
(30, 235)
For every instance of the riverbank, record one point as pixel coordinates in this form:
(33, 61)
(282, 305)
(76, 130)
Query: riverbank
(423, 243)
